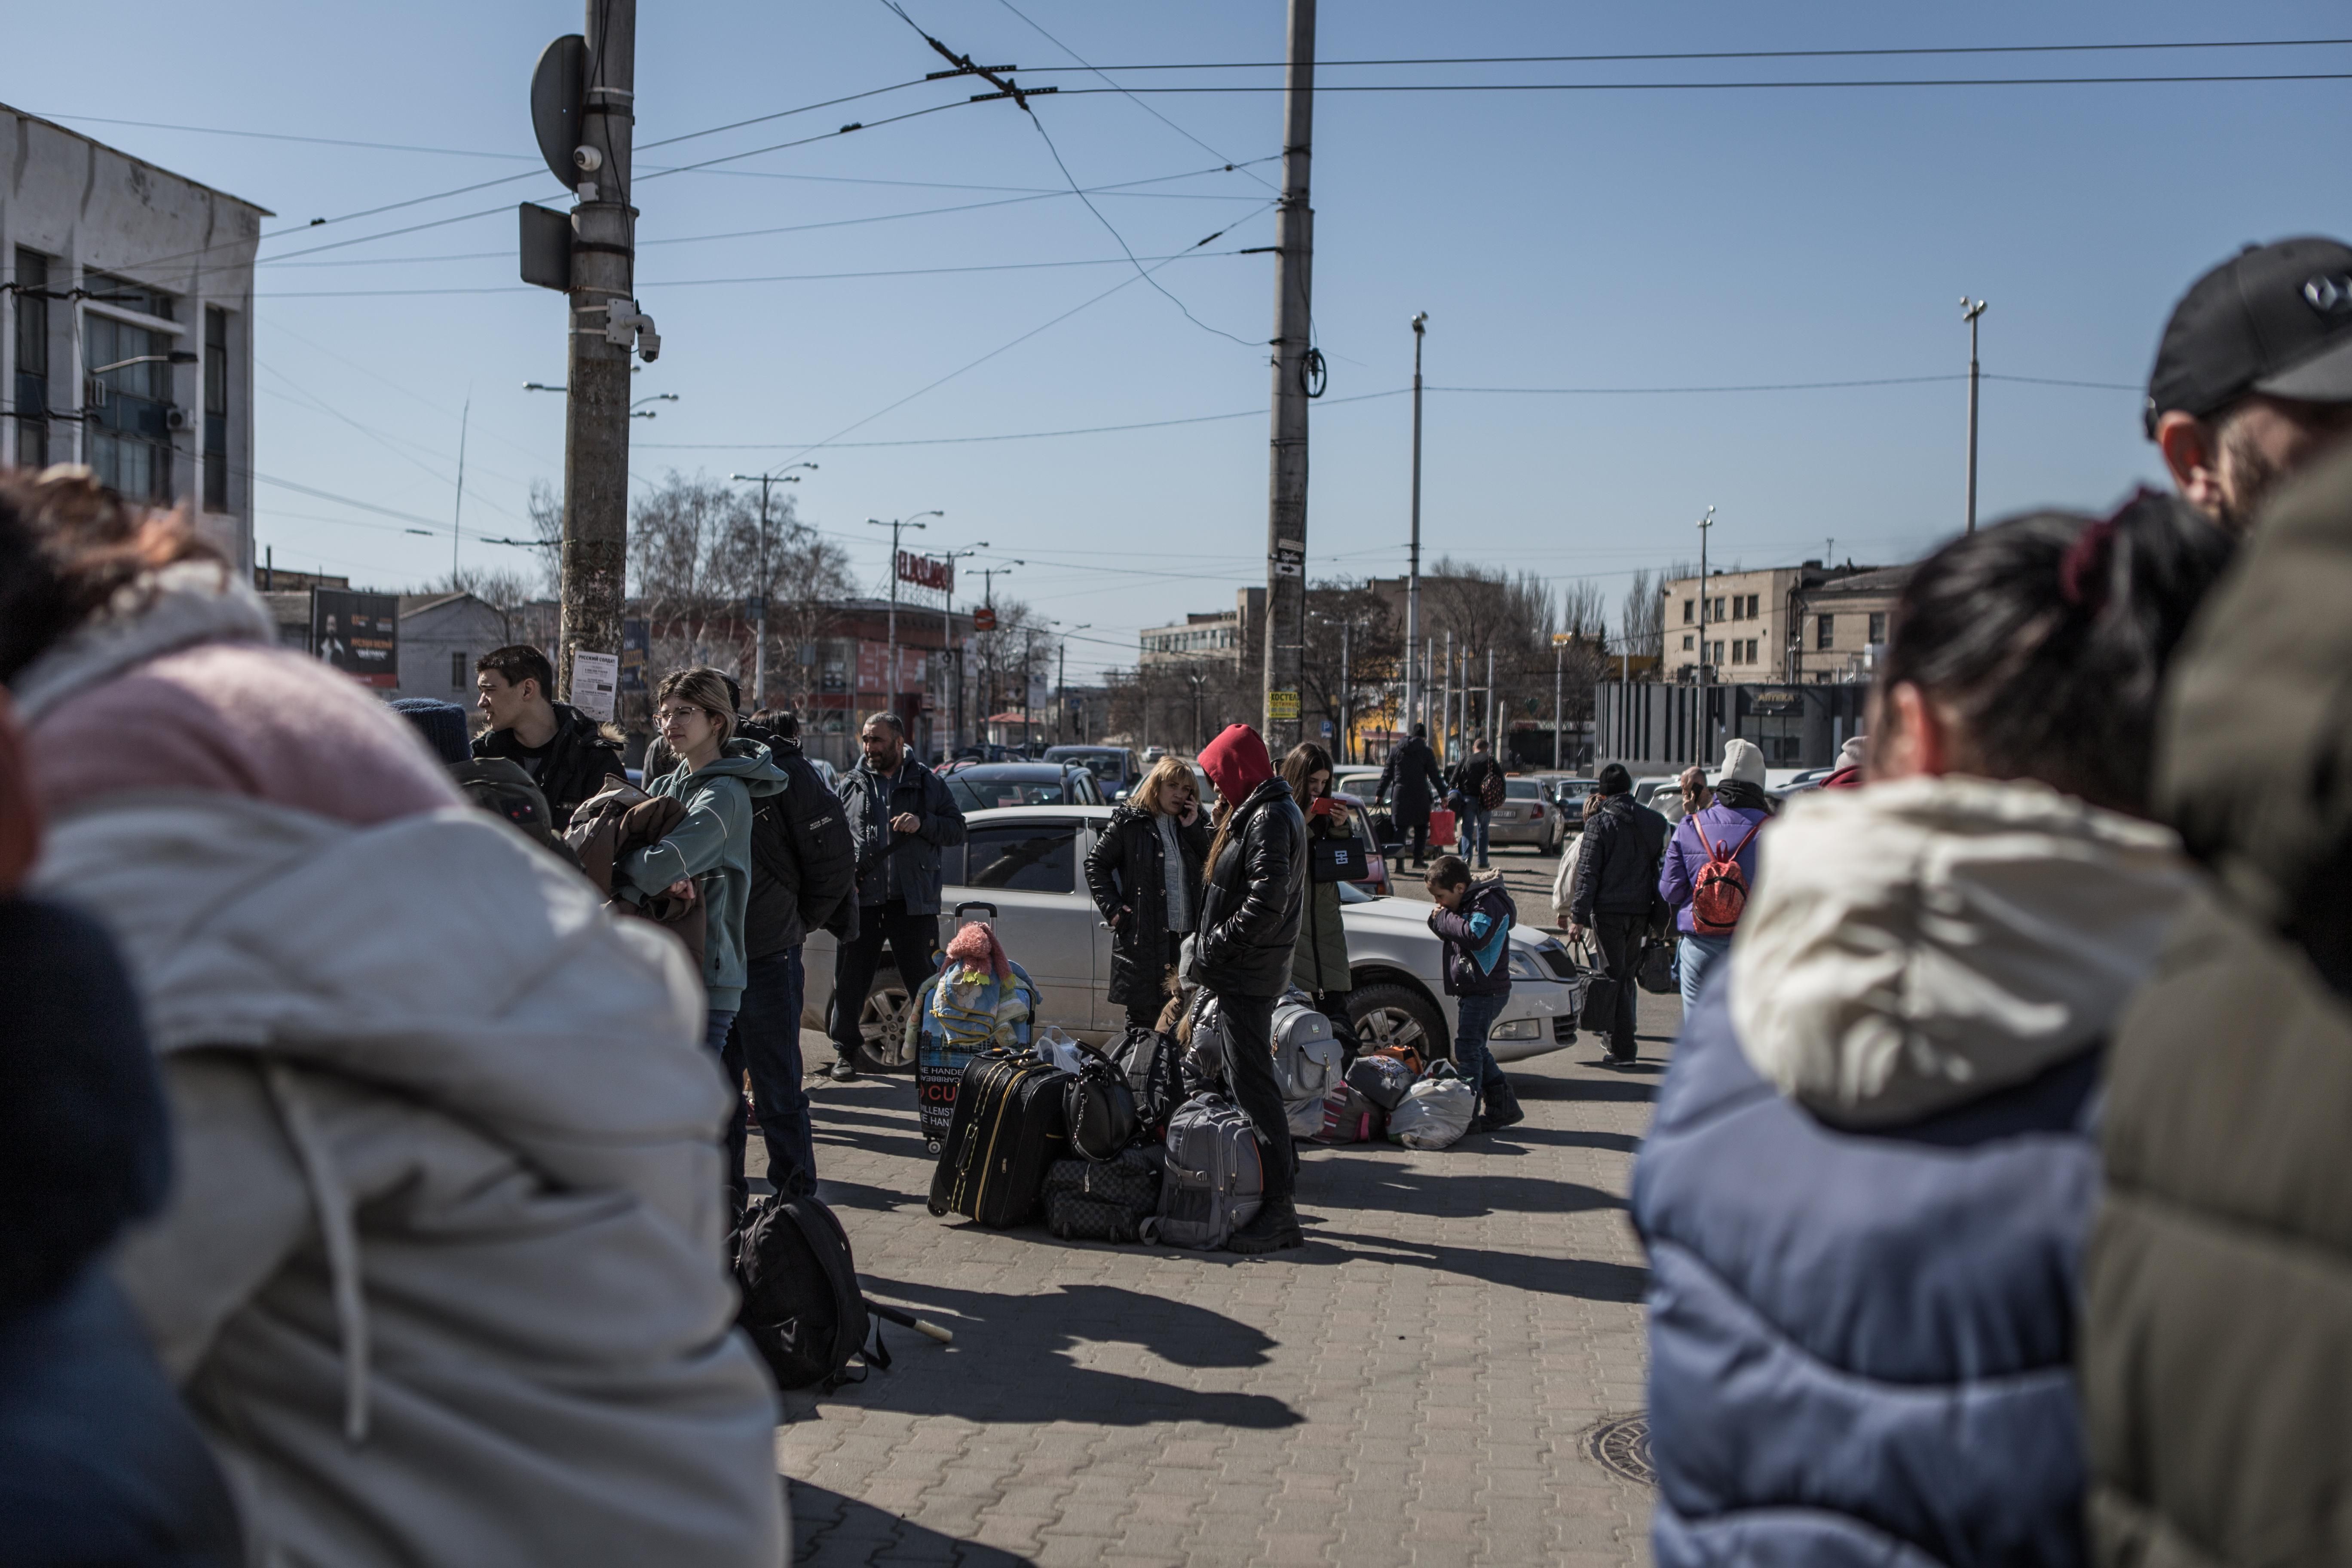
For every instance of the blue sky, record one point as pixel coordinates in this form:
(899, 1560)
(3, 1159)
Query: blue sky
(1586, 239)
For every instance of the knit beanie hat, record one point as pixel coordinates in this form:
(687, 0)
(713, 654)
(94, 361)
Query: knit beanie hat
(443, 725)
(1744, 761)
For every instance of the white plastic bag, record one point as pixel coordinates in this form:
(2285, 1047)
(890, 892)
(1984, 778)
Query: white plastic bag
(1055, 1049)
(1436, 1112)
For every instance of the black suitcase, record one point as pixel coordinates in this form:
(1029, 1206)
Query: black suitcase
(1009, 1128)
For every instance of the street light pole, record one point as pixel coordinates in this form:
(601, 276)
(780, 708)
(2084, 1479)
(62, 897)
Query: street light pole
(894, 525)
(1347, 694)
(1413, 555)
(784, 476)
(1558, 665)
(1970, 313)
(1704, 524)
(947, 636)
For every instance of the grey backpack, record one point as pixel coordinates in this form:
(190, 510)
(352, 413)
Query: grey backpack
(1307, 1058)
(1215, 1176)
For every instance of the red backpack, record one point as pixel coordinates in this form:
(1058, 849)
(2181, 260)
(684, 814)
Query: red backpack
(1719, 891)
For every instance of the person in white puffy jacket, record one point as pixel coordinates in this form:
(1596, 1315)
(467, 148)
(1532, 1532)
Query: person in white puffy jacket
(441, 1278)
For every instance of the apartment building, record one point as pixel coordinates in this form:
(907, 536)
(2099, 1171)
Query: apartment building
(1808, 624)
(1214, 634)
(128, 337)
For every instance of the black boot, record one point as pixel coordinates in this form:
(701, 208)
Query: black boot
(1275, 1228)
(844, 1068)
(1502, 1108)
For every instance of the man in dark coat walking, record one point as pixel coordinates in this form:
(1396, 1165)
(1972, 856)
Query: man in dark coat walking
(1414, 779)
(1616, 888)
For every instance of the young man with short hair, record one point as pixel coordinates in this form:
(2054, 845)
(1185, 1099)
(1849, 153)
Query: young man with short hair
(900, 817)
(2253, 378)
(567, 754)
(1616, 889)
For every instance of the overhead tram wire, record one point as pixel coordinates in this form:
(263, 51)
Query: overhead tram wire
(1733, 86)
(1714, 54)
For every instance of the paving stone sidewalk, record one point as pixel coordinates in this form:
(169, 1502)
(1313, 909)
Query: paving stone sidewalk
(1419, 1384)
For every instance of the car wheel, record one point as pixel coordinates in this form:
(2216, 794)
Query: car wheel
(882, 1026)
(1391, 1015)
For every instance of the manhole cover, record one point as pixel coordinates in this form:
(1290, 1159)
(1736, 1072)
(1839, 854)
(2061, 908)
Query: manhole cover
(1622, 1445)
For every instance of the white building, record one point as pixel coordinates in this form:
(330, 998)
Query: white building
(128, 337)
(441, 635)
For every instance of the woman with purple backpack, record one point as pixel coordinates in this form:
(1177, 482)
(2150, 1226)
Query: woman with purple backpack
(1709, 867)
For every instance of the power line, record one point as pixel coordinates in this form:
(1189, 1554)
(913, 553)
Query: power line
(1729, 86)
(1710, 55)
(276, 136)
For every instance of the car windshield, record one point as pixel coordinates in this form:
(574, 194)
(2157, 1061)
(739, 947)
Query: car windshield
(978, 789)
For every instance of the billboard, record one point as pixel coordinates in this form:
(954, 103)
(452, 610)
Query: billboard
(359, 634)
(925, 573)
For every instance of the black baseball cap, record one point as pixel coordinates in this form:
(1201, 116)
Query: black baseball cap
(2273, 318)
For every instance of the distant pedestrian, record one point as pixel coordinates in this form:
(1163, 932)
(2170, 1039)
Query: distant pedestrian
(1693, 792)
(100, 1463)
(2216, 1312)
(1866, 1190)
(1251, 908)
(2253, 377)
(1616, 892)
(804, 870)
(567, 754)
(1144, 874)
(1478, 782)
(1411, 778)
(1319, 962)
(1473, 920)
(1571, 855)
(1710, 866)
(1847, 772)
(441, 1275)
(901, 817)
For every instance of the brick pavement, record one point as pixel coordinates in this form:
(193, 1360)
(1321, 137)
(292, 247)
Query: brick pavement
(1416, 1387)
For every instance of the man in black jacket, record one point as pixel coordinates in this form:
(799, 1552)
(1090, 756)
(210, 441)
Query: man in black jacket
(1250, 914)
(803, 867)
(901, 817)
(1412, 774)
(1616, 888)
(1470, 782)
(565, 752)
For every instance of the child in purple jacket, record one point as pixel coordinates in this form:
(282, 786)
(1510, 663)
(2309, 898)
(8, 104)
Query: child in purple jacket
(1730, 824)
(1473, 920)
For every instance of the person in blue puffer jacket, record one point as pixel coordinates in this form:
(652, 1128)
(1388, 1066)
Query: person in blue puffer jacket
(1867, 1187)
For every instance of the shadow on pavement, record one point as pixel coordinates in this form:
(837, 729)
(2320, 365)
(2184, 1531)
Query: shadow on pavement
(1613, 1088)
(1586, 1279)
(1011, 1360)
(830, 1531)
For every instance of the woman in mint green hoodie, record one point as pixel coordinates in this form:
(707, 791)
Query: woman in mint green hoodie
(708, 854)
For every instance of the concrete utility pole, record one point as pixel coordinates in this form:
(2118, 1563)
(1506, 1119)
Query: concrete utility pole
(1494, 740)
(1347, 693)
(1970, 313)
(1413, 555)
(1558, 665)
(1295, 363)
(1446, 705)
(784, 476)
(605, 325)
(1704, 524)
(947, 639)
(988, 576)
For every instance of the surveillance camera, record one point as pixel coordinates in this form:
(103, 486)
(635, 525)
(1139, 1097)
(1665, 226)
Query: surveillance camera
(649, 344)
(588, 159)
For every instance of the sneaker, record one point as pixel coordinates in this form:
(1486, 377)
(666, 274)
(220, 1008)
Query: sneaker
(842, 1070)
(1274, 1228)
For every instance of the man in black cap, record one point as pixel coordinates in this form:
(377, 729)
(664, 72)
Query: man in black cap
(2253, 378)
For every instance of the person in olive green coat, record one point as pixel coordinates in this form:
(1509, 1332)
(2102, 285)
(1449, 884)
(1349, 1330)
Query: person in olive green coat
(1318, 964)
(2217, 1341)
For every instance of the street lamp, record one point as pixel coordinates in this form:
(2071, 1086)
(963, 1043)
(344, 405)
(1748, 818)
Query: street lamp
(947, 637)
(650, 413)
(784, 476)
(1062, 673)
(895, 525)
(177, 356)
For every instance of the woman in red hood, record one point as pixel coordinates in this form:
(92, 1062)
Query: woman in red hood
(1256, 894)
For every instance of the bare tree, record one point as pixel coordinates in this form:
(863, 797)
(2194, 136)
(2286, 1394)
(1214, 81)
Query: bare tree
(1349, 665)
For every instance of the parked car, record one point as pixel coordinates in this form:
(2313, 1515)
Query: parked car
(1114, 767)
(1359, 818)
(1526, 816)
(1568, 791)
(982, 786)
(1027, 867)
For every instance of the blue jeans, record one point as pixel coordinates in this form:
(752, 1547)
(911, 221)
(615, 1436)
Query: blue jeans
(1700, 955)
(767, 1045)
(1473, 1017)
(1474, 835)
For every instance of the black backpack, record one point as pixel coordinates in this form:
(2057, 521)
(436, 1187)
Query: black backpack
(801, 837)
(1149, 1059)
(801, 1303)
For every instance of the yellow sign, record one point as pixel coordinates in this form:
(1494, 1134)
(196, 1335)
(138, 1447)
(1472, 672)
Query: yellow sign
(1561, 640)
(1282, 705)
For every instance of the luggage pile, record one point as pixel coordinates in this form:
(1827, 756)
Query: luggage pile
(1143, 1142)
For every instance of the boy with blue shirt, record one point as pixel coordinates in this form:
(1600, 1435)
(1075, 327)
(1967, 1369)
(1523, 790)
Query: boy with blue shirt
(1473, 920)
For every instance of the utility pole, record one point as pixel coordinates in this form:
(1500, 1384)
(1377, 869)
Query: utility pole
(1446, 705)
(457, 513)
(1970, 313)
(894, 525)
(1413, 555)
(784, 476)
(1558, 665)
(1705, 735)
(947, 637)
(1347, 694)
(1494, 740)
(605, 325)
(1295, 363)
(988, 576)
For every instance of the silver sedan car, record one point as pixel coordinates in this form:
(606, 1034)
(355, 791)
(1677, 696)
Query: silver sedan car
(1026, 865)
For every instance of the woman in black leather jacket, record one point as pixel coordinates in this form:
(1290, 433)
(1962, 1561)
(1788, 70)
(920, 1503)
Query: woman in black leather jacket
(1250, 915)
(1158, 829)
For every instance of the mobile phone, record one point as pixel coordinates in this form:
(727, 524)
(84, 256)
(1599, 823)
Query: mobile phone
(1324, 806)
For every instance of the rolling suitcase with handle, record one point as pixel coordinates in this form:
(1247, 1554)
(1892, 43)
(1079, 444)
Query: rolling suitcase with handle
(1009, 1128)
